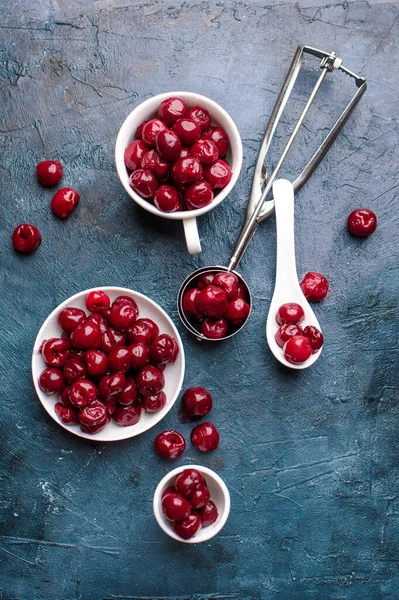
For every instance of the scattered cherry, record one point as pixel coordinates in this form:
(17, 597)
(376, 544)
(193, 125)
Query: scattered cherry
(197, 402)
(26, 238)
(49, 172)
(205, 437)
(64, 202)
(362, 222)
(170, 444)
(314, 286)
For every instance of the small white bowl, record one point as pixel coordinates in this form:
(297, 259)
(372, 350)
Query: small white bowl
(148, 110)
(219, 495)
(174, 372)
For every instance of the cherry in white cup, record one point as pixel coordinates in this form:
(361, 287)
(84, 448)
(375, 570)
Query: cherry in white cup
(148, 110)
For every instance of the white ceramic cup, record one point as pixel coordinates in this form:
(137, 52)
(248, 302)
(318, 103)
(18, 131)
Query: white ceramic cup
(148, 110)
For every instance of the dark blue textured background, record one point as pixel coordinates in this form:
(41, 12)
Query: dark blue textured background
(311, 458)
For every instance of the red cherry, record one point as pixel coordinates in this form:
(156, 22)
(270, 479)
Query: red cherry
(212, 301)
(167, 199)
(64, 397)
(188, 131)
(171, 110)
(169, 490)
(139, 130)
(201, 116)
(362, 222)
(144, 330)
(314, 336)
(123, 315)
(285, 332)
(64, 202)
(154, 403)
(82, 392)
(49, 172)
(198, 195)
(175, 507)
(218, 174)
(220, 137)
(314, 286)
(119, 359)
(291, 312)
(189, 302)
(205, 279)
(205, 437)
(86, 336)
(96, 363)
(69, 318)
(144, 183)
(66, 414)
(134, 154)
(139, 355)
(214, 329)
(164, 349)
(97, 300)
(170, 444)
(154, 163)
(111, 385)
(93, 414)
(26, 238)
(187, 481)
(51, 381)
(92, 429)
(229, 282)
(200, 497)
(129, 393)
(187, 170)
(111, 339)
(74, 369)
(150, 131)
(125, 300)
(297, 349)
(168, 145)
(150, 381)
(196, 402)
(127, 415)
(189, 527)
(206, 151)
(209, 514)
(55, 352)
(237, 311)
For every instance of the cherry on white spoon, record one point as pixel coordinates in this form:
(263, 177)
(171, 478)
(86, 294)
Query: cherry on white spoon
(287, 288)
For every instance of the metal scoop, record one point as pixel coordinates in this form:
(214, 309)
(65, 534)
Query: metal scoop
(259, 208)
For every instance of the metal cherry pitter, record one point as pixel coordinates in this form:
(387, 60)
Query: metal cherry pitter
(259, 206)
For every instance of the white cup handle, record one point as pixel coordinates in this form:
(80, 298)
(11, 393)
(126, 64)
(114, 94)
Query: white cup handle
(192, 237)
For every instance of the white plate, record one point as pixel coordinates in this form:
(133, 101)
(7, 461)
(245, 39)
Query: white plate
(174, 372)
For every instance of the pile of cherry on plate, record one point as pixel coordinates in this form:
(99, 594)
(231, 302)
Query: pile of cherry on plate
(176, 159)
(188, 505)
(217, 304)
(107, 364)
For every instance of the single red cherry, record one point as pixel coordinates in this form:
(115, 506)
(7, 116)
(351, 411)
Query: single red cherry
(285, 332)
(92, 429)
(362, 222)
(144, 330)
(154, 163)
(168, 145)
(74, 369)
(111, 385)
(69, 318)
(119, 360)
(169, 490)
(51, 381)
(218, 174)
(150, 131)
(97, 300)
(127, 415)
(201, 116)
(206, 151)
(220, 137)
(212, 301)
(209, 514)
(297, 349)
(200, 497)
(314, 286)
(96, 363)
(167, 199)
(196, 402)
(198, 195)
(187, 130)
(187, 481)
(139, 355)
(82, 392)
(49, 172)
(291, 312)
(123, 315)
(170, 444)
(214, 329)
(187, 170)
(175, 507)
(66, 414)
(237, 311)
(144, 183)
(86, 336)
(150, 381)
(93, 414)
(229, 282)
(155, 403)
(134, 154)
(189, 302)
(26, 238)
(111, 339)
(64, 202)
(189, 527)
(171, 110)
(164, 349)
(139, 130)
(55, 352)
(129, 393)
(204, 280)
(205, 437)
(314, 336)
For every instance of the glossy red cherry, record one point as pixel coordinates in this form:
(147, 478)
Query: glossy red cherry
(168, 145)
(125, 300)
(49, 172)
(187, 481)
(201, 116)
(119, 360)
(97, 300)
(74, 369)
(314, 286)
(150, 131)
(362, 222)
(170, 444)
(187, 130)
(93, 414)
(189, 527)
(123, 315)
(214, 329)
(212, 301)
(163, 349)
(139, 131)
(171, 110)
(111, 385)
(86, 336)
(237, 311)
(169, 490)
(218, 174)
(187, 170)
(64, 202)
(134, 154)
(111, 339)
(198, 195)
(196, 402)
(154, 403)
(205, 437)
(189, 302)
(69, 318)
(150, 381)
(206, 151)
(129, 393)
(139, 355)
(92, 429)
(220, 137)
(297, 349)
(82, 392)
(144, 330)
(229, 282)
(144, 183)
(285, 332)
(314, 336)
(154, 163)
(66, 414)
(291, 312)
(55, 352)
(200, 497)
(127, 415)
(175, 507)
(51, 381)
(26, 238)
(204, 280)
(96, 363)
(209, 514)
(167, 199)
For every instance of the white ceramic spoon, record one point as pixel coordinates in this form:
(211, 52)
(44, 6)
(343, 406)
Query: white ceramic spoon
(287, 288)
